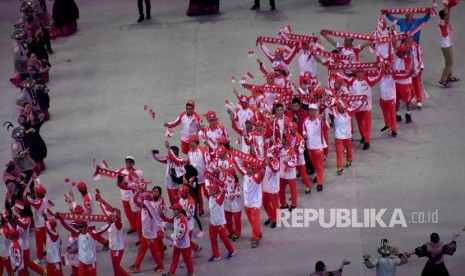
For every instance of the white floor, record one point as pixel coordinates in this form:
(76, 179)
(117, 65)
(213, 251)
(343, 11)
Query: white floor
(116, 66)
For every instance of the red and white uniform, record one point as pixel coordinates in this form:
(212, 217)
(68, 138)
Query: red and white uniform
(416, 66)
(446, 35)
(363, 115)
(211, 135)
(244, 135)
(353, 52)
(180, 236)
(270, 97)
(382, 49)
(116, 245)
(287, 174)
(87, 248)
(307, 62)
(87, 253)
(282, 82)
(215, 203)
(39, 206)
(342, 135)
(188, 204)
(387, 100)
(173, 163)
(233, 204)
(217, 222)
(182, 245)
(330, 90)
(241, 115)
(284, 62)
(404, 86)
(4, 251)
(342, 125)
(287, 162)
(271, 189)
(279, 126)
(88, 206)
(17, 257)
(73, 257)
(252, 190)
(387, 87)
(115, 236)
(298, 143)
(253, 201)
(190, 124)
(53, 253)
(22, 225)
(131, 176)
(313, 131)
(151, 234)
(200, 159)
(256, 143)
(223, 166)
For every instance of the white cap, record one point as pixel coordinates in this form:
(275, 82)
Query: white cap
(313, 106)
(129, 157)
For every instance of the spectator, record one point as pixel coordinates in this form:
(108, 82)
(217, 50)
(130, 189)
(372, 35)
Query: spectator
(447, 47)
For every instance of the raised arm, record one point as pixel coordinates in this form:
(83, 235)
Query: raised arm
(330, 40)
(266, 51)
(393, 18)
(239, 167)
(96, 232)
(156, 155)
(65, 225)
(425, 18)
(374, 80)
(291, 56)
(174, 123)
(365, 44)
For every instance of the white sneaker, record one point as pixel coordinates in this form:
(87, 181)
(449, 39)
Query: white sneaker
(200, 234)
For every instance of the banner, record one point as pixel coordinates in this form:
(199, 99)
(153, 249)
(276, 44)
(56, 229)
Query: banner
(239, 154)
(97, 218)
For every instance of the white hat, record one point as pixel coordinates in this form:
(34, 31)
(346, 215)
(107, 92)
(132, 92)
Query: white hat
(129, 157)
(313, 106)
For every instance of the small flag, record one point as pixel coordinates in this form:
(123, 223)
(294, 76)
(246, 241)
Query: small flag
(37, 181)
(229, 104)
(19, 204)
(319, 45)
(150, 111)
(104, 164)
(67, 182)
(251, 53)
(169, 133)
(233, 79)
